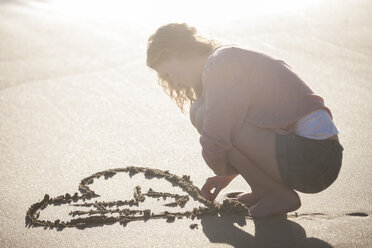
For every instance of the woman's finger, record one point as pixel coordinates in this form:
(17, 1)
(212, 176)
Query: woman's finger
(206, 190)
(203, 192)
(215, 193)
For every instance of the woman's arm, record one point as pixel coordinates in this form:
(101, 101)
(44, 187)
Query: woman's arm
(226, 106)
(197, 113)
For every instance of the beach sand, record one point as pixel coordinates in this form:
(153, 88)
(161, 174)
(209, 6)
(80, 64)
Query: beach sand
(76, 98)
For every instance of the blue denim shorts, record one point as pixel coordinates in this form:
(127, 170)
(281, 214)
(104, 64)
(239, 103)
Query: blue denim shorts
(308, 165)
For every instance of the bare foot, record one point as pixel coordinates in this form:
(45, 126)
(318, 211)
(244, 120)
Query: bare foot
(233, 195)
(250, 199)
(275, 204)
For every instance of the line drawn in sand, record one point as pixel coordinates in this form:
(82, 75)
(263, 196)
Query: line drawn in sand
(101, 213)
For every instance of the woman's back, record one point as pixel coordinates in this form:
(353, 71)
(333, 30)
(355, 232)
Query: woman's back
(271, 94)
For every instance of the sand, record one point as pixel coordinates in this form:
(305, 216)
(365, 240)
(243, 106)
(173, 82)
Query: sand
(76, 98)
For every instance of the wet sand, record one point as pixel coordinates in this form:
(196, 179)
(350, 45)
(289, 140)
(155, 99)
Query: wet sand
(76, 98)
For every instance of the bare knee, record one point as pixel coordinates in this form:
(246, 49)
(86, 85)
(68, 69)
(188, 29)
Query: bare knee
(237, 159)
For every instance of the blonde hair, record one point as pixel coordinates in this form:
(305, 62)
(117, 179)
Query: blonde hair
(181, 41)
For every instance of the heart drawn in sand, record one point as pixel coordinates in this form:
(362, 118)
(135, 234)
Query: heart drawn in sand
(101, 213)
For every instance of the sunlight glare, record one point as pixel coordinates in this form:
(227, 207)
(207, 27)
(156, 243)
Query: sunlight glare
(154, 12)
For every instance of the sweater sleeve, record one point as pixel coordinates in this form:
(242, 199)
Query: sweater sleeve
(226, 104)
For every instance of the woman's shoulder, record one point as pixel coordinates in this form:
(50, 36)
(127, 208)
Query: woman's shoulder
(232, 54)
(222, 56)
(222, 52)
(226, 63)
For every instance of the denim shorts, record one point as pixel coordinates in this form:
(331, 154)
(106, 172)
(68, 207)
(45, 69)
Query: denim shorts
(308, 165)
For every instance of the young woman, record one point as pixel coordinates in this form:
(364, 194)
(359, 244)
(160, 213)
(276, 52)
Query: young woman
(256, 118)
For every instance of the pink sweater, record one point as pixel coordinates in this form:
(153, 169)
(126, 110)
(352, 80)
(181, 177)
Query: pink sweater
(244, 86)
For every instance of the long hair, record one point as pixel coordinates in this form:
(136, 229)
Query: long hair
(181, 41)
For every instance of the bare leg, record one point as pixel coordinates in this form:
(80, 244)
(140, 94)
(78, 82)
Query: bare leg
(257, 191)
(276, 198)
(253, 155)
(261, 170)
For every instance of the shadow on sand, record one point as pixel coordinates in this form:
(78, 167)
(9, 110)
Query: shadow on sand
(270, 232)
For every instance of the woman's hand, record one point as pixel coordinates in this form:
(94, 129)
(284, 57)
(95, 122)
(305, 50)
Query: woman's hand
(217, 183)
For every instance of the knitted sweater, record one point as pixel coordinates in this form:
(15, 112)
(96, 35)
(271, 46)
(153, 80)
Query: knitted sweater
(244, 86)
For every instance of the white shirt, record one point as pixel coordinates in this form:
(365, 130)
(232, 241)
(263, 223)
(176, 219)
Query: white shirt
(316, 125)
